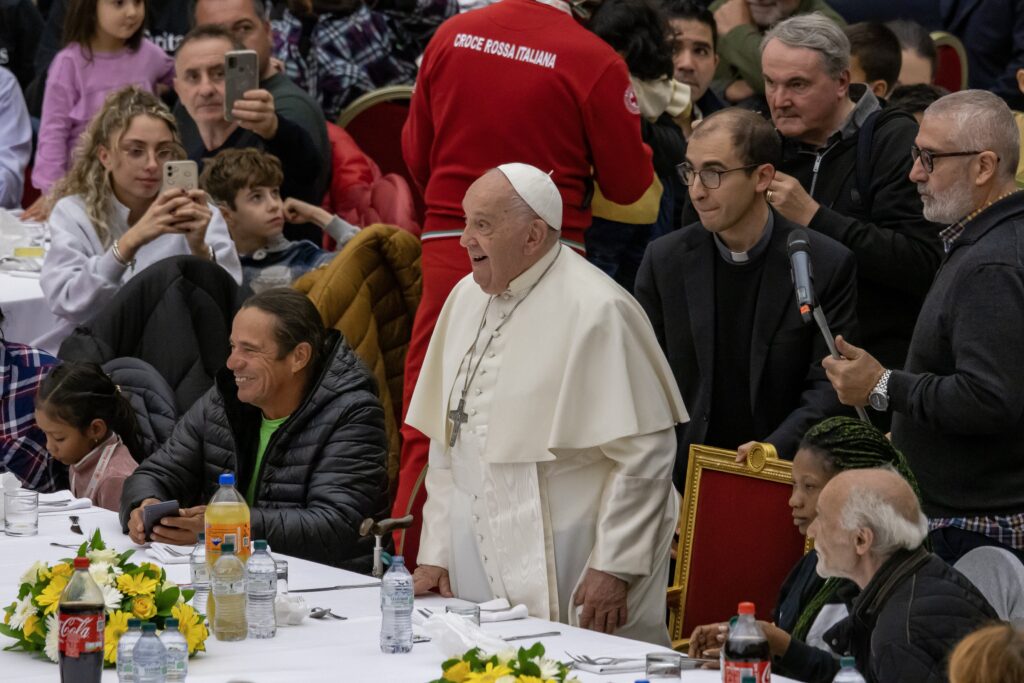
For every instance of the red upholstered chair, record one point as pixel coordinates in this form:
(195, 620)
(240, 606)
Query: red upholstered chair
(737, 539)
(951, 71)
(375, 122)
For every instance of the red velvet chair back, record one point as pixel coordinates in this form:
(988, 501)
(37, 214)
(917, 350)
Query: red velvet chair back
(737, 540)
(951, 70)
(375, 122)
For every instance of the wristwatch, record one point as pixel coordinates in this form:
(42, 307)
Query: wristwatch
(879, 396)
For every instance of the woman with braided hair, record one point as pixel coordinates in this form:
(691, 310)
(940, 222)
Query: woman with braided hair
(809, 605)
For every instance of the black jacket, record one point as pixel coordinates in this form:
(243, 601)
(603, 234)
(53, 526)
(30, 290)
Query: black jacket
(897, 250)
(789, 391)
(20, 26)
(959, 401)
(323, 472)
(151, 398)
(904, 624)
(176, 316)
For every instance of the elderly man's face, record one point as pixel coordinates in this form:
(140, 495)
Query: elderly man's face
(199, 79)
(836, 546)
(239, 17)
(496, 235)
(767, 13)
(261, 372)
(693, 55)
(946, 191)
(802, 96)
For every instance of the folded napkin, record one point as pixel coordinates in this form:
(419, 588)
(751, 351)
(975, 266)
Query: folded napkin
(166, 553)
(453, 634)
(500, 610)
(61, 502)
(624, 667)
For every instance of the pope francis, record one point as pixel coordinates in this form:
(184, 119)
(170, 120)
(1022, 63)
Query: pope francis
(550, 411)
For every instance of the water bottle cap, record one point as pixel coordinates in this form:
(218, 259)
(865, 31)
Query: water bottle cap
(227, 479)
(397, 561)
(81, 563)
(171, 624)
(260, 545)
(847, 663)
(134, 623)
(746, 608)
(149, 627)
(227, 547)
(201, 537)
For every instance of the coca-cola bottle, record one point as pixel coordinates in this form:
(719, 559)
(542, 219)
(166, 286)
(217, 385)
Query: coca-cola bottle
(746, 649)
(81, 623)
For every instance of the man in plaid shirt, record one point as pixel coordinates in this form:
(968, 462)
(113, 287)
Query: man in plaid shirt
(346, 49)
(22, 443)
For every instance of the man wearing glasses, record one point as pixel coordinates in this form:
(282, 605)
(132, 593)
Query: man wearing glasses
(719, 295)
(958, 402)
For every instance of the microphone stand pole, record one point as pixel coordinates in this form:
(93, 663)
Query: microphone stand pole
(819, 317)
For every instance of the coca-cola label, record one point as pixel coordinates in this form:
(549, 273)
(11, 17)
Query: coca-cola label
(733, 671)
(81, 633)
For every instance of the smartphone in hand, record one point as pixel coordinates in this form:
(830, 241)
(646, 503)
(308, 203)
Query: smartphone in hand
(152, 514)
(241, 74)
(180, 174)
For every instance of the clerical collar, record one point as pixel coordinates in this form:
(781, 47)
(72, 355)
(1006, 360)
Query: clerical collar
(741, 257)
(531, 275)
(557, 4)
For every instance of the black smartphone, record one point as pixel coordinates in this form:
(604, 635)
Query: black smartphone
(152, 514)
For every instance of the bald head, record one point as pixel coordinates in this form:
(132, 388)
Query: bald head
(882, 501)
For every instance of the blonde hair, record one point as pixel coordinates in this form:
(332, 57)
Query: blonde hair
(993, 654)
(87, 177)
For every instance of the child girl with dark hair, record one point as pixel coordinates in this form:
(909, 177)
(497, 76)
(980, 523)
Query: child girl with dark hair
(91, 428)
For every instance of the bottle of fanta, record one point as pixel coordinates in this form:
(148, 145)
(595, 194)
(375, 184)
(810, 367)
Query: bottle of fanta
(227, 519)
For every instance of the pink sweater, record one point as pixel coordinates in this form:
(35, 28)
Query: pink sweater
(76, 87)
(107, 493)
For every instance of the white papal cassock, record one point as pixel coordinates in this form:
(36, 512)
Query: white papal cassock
(566, 459)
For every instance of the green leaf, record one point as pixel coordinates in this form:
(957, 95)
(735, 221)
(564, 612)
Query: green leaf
(97, 541)
(10, 632)
(167, 599)
(449, 663)
(123, 557)
(187, 594)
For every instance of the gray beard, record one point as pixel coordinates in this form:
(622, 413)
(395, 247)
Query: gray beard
(951, 206)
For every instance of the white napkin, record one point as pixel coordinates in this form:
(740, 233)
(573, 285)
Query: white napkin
(453, 634)
(290, 610)
(500, 610)
(624, 667)
(166, 553)
(66, 500)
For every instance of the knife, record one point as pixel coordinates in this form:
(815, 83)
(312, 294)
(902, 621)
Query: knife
(547, 634)
(375, 584)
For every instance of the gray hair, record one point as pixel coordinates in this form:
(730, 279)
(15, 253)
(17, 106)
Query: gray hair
(816, 32)
(866, 508)
(981, 121)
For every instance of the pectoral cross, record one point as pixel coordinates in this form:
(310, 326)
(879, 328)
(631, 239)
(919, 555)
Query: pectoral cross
(457, 418)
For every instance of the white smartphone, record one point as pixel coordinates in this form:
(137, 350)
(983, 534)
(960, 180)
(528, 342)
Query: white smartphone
(181, 174)
(241, 74)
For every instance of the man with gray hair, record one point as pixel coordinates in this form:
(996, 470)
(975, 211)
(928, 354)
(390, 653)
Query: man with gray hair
(844, 173)
(958, 402)
(912, 608)
(550, 411)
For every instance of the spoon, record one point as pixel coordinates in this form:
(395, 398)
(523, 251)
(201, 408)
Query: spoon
(323, 613)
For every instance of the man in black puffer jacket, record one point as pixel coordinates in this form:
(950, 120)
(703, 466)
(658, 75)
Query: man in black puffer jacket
(296, 418)
(912, 609)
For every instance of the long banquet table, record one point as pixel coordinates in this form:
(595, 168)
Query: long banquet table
(327, 650)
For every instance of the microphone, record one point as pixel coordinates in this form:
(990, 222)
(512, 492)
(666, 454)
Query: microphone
(800, 269)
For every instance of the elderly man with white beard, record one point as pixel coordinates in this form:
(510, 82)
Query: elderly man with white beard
(958, 402)
(550, 410)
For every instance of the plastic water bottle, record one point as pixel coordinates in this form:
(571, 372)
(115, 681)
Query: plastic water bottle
(177, 651)
(228, 583)
(848, 671)
(260, 591)
(396, 601)
(200, 574)
(125, 668)
(149, 657)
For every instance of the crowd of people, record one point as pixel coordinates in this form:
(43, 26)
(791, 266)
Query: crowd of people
(613, 190)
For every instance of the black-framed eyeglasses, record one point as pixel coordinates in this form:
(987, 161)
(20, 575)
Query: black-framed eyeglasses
(709, 178)
(928, 157)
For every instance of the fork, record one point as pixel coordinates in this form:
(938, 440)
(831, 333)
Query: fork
(601, 661)
(425, 612)
(170, 550)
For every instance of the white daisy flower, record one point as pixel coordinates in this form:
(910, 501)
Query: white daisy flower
(52, 637)
(23, 609)
(111, 598)
(32, 575)
(109, 556)
(100, 573)
(505, 656)
(548, 668)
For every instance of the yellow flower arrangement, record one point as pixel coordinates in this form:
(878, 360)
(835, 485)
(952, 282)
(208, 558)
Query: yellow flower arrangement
(527, 665)
(142, 591)
(457, 672)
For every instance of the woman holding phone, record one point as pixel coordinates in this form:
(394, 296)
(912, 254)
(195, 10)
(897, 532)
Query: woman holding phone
(112, 219)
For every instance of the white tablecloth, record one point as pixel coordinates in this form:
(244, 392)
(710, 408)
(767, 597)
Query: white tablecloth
(27, 315)
(327, 650)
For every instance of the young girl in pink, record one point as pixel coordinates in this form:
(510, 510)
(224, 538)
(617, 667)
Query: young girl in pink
(104, 50)
(91, 428)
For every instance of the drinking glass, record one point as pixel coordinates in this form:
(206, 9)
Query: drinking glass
(664, 666)
(471, 612)
(282, 576)
(21, 513)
